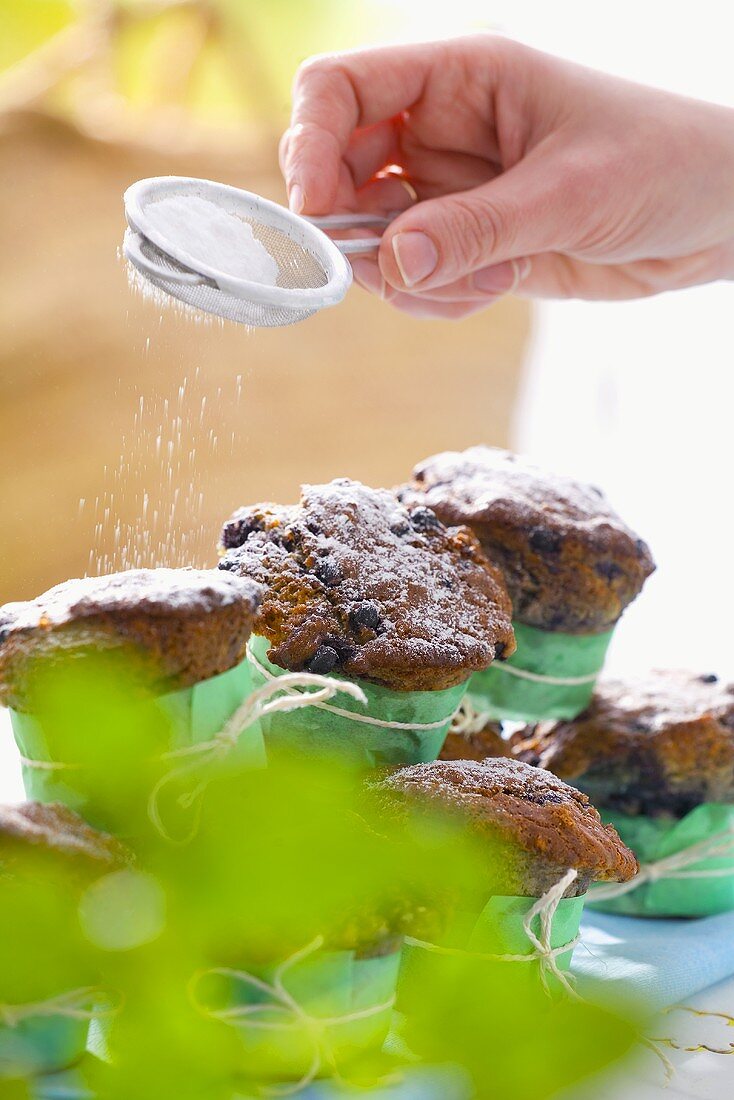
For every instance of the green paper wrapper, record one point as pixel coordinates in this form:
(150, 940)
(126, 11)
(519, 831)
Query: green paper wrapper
(279, 1045)
(41, 1044)
(496, 930)
(317, 729)
(192, 715)
(652, 839)
(505, 694)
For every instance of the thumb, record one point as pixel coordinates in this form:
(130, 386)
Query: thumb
(440, 241)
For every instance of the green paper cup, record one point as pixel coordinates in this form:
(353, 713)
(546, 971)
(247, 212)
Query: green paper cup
(496, 930)
(192, 716)
(337, 728)
(338, 1007)
(41, 1044)
(686, 891)
(550, 675)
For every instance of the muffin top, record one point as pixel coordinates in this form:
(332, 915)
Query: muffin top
(569, 561)
(186, 624)
(660, 743)
(36, 827)
(356, 582)
(544, 826)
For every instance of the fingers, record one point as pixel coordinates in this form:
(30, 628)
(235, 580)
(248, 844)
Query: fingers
(448, 303)
(371, 149)
(368, 152)
(441, 241)
(437, 311)
(386, 194)
(558, 276)
(486, 285)
(333, 97)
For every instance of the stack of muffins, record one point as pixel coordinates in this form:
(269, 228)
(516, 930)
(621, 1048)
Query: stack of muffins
(483, 591)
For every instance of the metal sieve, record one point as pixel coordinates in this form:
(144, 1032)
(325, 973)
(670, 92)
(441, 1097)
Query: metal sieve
(312, 269)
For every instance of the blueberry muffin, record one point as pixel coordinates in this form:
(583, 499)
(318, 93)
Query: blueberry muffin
(357, 583)
(48, 857)
(479, 744)
(657, 744)
(569, 562)
(538, 825)
(179, 626)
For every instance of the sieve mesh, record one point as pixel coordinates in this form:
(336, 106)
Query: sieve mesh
(297, 269)
(312, 271)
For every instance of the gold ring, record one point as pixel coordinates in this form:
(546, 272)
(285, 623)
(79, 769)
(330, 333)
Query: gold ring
(395, 174)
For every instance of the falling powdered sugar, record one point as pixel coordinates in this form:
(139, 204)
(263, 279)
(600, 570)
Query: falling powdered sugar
(204, 233)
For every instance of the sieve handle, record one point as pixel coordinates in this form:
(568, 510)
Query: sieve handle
(134, 253)
(355, 221)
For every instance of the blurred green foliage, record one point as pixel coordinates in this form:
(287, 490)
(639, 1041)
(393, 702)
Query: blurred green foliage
(279, 857)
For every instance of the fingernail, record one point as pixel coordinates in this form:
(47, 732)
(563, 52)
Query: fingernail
(416, 256)
(295, 198)
(502, 278)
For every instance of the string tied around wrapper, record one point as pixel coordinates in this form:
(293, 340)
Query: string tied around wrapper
(282, 1012)
(679, 865)
(85, 1003)
(543, 952)
(279, 695)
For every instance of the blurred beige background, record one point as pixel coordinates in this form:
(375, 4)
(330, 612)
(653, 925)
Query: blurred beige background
(127, 435)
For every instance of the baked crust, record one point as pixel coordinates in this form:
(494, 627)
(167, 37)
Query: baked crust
(485, 743)
(662, 743)
(180, 626)
(39, 828)
(569, 561)
(357, 583)
(539, 827)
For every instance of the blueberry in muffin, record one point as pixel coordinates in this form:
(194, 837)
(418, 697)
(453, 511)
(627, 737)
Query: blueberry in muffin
(570, 563)
(658, 743)
(359, 584)
(656, 754)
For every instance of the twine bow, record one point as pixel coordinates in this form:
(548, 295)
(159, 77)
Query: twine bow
(282, 1012)
(71, 1005)
(679, 865)
(543, 952)
(468, 720)
(366, 719)
(277, 695)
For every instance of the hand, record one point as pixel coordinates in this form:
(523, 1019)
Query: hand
(533, 174)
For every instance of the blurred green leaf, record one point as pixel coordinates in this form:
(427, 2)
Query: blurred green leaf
(514, 1042)
(302, 849)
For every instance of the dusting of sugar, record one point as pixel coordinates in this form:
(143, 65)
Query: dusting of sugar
(201, 232)
(481, 478)
(438, 606)
(152, 591)
(660, 700)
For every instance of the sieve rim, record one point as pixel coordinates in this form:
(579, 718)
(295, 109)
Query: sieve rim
(337, 268)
